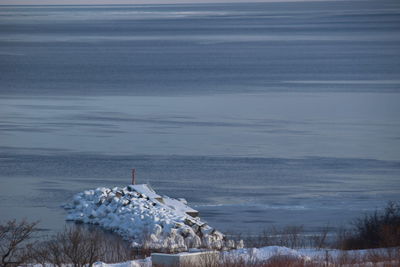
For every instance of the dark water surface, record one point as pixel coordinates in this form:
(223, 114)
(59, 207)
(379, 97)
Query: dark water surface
(258, 114)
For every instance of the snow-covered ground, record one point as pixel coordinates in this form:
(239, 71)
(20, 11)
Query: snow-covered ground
(140, 215)
(316, 257)
(254, 255)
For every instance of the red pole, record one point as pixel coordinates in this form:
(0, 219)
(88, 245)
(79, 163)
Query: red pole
(133, 176)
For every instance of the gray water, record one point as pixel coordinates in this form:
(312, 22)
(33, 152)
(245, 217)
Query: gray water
(258, 114)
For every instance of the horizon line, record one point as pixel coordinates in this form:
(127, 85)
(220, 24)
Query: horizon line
(158, 2)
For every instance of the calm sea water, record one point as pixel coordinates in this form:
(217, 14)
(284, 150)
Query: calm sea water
(258, 114)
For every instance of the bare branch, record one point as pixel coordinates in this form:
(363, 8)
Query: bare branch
(13, 239)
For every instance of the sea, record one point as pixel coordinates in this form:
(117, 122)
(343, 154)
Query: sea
(259, 114)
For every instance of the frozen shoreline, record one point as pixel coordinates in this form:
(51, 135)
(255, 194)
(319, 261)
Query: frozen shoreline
(160, 223)
(141, 216)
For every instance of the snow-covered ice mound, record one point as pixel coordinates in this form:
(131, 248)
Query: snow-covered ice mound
(138, 214)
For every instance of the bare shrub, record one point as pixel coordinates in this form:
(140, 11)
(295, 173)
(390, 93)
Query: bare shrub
(320, 240)
(388, 257)
(13, 242)
(115, 249)
(49, 251)
(293, 236)
(239, 263)
(252, 261)
(289, 261)
(290, 236)
(378, 258)
(207, 259)
(79, 247)
(380, 229)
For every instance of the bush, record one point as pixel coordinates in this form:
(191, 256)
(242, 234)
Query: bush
(80, 247)
(380, 229)
(290, 236)
(13, 242)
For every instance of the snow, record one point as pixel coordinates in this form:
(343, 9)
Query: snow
(246, 254)
(145, 190)
(135, 263)
(140, 215)
(263, 254)
(179, 205)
